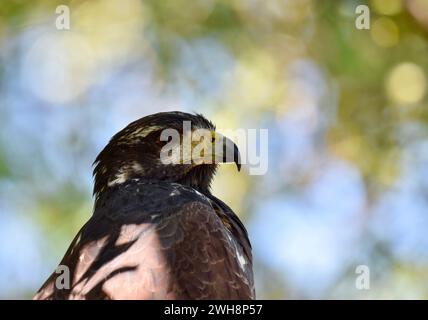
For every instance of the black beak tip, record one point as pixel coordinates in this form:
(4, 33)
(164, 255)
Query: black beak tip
(237, 157)
(228, 147)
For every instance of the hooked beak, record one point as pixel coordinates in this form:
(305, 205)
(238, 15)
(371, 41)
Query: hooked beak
(226, 151)
(214, 148)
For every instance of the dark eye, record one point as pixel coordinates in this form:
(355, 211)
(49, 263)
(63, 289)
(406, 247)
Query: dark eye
(212, 139)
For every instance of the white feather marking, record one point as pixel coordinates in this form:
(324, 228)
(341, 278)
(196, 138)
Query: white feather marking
(120, 178)
(175, 193)
(137, 167)
(242, 260)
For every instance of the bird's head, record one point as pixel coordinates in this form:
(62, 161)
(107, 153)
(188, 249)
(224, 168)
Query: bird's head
(168, 146)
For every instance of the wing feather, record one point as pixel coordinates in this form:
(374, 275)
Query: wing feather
(188, 254)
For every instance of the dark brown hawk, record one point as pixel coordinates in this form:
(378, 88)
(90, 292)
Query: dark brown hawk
(157, 232)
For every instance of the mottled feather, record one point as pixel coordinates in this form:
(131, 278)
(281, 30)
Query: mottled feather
(147, 248)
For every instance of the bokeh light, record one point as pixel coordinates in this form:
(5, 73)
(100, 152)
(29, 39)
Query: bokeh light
(406, 83)
(390, 7)
(385, 32)
(62, 73)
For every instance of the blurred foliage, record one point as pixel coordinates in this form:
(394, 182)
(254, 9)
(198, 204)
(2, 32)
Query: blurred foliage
(358, 96)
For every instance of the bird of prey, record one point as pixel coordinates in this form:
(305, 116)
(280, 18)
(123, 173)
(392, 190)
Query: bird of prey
(156, 231)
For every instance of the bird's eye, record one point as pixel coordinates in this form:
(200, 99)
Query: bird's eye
(212, 139)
